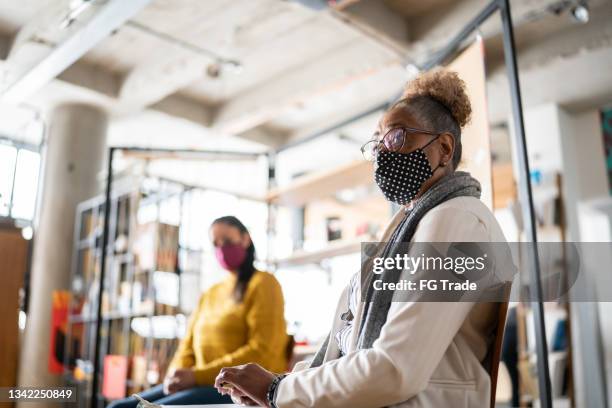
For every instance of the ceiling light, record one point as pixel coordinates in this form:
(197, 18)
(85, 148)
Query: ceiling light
(233, 66)
(213, 70)
(27, 233)
(580, 13)
(412, 71)
(76, 7)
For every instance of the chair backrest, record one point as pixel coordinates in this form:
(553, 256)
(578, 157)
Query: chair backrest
(289, 348)
(494, 356)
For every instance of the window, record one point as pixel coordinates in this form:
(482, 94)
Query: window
(19, 170)
(8, 156)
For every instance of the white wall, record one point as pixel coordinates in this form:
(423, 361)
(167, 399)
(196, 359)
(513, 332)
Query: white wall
(584, 178)
(595, 219)
(572, 145)
(584, 169)
(544, 138)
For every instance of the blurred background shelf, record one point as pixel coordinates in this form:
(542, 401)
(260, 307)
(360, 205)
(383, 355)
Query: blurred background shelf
(140, 323)
(315, 186)
(335, 248)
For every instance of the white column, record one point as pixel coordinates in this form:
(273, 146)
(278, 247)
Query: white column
(73, 159)
(585, 179)
(572, 144)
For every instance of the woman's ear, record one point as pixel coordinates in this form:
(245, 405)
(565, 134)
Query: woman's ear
(447, 147)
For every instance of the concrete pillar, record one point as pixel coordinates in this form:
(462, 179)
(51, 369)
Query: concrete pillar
(74, 155)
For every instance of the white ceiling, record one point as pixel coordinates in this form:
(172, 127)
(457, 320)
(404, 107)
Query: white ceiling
(165, 79)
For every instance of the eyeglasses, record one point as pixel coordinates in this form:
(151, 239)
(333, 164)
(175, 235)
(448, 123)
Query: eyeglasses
(393, 141)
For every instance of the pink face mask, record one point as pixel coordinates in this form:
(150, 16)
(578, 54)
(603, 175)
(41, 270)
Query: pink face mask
(230, 256)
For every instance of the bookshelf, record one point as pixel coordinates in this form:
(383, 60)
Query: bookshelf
(317, 194)
(140, 324)
(322, 184)
(335, 248)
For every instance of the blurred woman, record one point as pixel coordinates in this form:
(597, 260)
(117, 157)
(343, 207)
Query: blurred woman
(236, 321)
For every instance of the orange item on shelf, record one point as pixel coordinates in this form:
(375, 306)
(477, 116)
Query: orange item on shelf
(59, 320)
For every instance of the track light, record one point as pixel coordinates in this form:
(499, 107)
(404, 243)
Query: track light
(316, 5)
(76, 7)
(580, 13)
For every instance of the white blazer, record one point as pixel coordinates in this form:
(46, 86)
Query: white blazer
(428, 354)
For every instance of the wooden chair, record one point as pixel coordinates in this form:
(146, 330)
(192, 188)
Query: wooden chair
(289, 351)
(494, 355)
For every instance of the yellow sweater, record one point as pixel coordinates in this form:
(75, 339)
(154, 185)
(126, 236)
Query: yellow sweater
(223, 333)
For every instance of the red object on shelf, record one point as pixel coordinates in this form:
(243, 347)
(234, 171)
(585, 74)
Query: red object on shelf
(59, 319)
(115, 376)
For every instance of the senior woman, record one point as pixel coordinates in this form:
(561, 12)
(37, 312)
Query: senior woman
(382, 352)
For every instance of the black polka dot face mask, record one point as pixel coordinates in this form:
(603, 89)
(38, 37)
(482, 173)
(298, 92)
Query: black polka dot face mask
(400, 176)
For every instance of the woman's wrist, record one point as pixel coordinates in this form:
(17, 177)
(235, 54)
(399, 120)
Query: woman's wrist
(272, 389)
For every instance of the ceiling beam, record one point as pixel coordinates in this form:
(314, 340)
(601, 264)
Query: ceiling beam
(377, 21)
(149, 83)
(172, 66)
(558, 37)
(53, 59)
(5, 46)
(105, 84)
(266, 135)
(184, 108)
(296, 86)
(370, 17)
(92, 77)
(550, 85)
(546, 64)
(431, 32)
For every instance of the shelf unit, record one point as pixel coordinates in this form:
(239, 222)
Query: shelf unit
(319, 187)
(311, 187)
(128, 291)
(335, 248)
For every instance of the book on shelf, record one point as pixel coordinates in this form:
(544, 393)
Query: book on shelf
(115, 376)
(87, 225)
(156, 246)
(138, 374)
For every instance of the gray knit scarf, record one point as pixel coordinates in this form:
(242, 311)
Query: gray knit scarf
(377, 303)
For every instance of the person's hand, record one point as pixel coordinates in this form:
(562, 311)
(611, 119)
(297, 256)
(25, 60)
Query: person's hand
(181, 379)
(241, 399)
(248, 384)
(168, 380)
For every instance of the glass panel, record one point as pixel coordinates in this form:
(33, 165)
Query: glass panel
(26, 184)
(7, 166)
(170, 210)
(194, 228)
(147, 213)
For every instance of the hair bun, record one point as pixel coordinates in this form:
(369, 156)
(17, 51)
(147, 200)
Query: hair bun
(447, 88)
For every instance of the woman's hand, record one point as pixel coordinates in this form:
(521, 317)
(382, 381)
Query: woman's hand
(247, 384)
(240, 399)
(181, 379)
